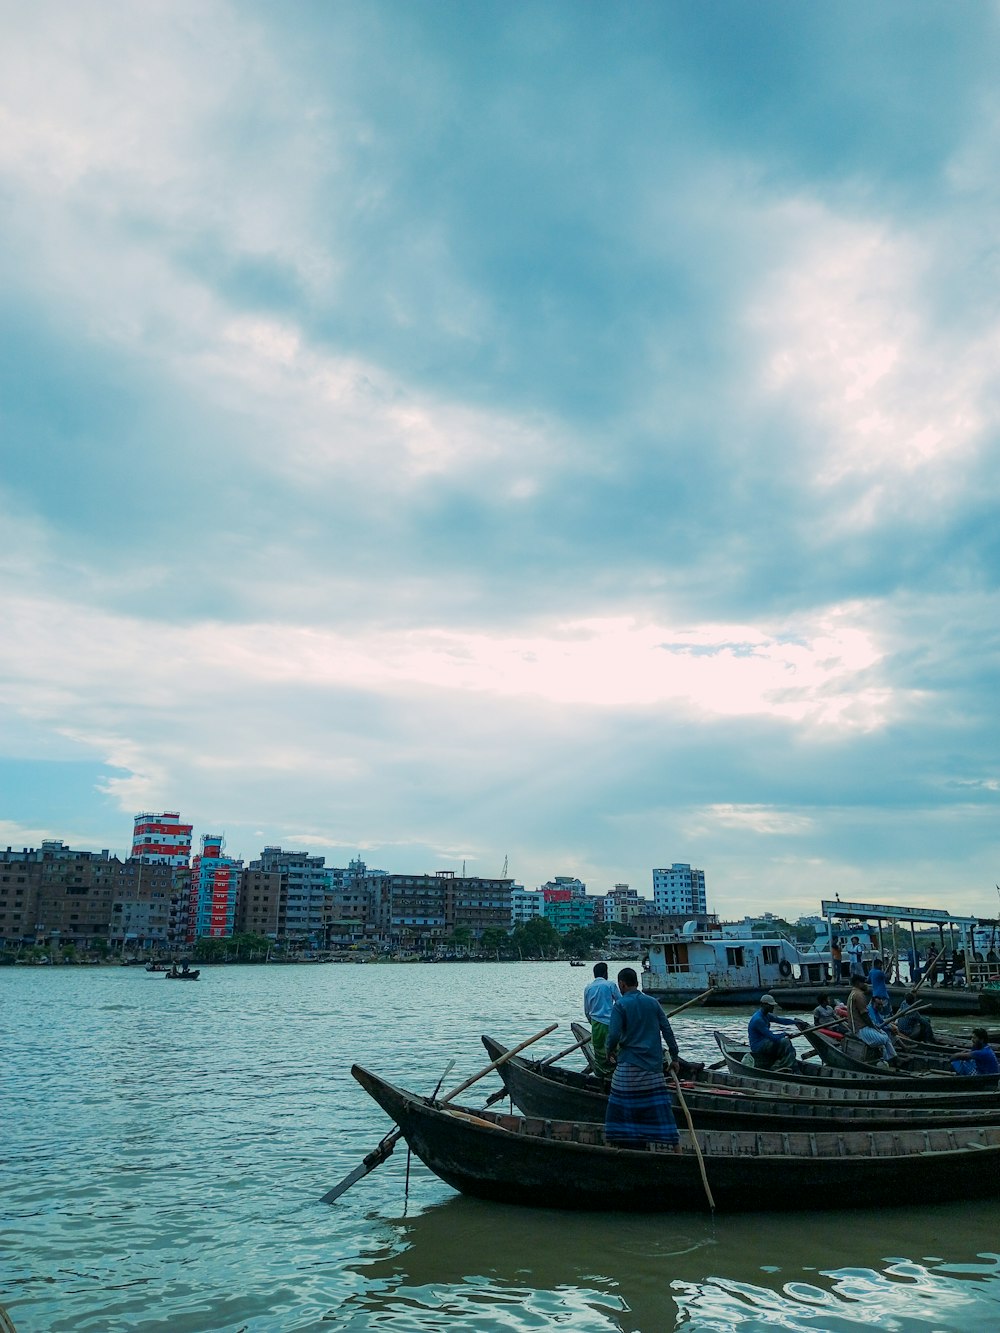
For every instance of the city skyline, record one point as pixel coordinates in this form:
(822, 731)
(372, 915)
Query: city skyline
(535, 436)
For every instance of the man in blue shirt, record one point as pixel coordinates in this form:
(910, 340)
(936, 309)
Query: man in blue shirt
(639, 1106)
(599, 998)
(880, 988)
(770, 1050)
(980, 1060)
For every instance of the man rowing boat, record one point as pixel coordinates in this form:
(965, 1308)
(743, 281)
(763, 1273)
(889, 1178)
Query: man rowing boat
(639, 1107)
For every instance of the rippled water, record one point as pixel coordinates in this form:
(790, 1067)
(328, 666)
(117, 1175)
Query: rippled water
(165, 1147)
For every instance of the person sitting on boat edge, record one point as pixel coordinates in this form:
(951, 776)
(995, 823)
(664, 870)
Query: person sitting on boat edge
(879, 984)
(770, 1050)
(639, 1106)
(865, 1023)
(981, 1059)
(915, 1026)
(599, 997)
(825, 1015)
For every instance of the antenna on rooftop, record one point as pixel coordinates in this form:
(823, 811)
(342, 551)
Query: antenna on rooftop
(503, 873)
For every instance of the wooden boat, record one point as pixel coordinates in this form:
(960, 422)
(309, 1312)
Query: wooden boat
(734, 1055)
(191, 975)
(553, 1093)
(562, 1164)
(157, 967)
(850, 1052)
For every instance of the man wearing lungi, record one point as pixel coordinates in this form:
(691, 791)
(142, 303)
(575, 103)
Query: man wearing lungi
(639, 1108)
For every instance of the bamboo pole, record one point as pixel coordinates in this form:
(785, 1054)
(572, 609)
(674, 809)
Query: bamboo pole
(694, 1140)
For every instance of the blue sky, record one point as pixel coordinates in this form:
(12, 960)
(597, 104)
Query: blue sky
(450, 432)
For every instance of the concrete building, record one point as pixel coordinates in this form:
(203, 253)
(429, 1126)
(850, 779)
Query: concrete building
(294, 889)
(567, 910)
(53, 896)
(419, 913)
(149, 909)
(161, 839)
(622, 904)
(350, 917)
(679, 890)
(525, 905)
(215, 884)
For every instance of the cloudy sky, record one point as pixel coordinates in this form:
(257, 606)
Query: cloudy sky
(456, 431)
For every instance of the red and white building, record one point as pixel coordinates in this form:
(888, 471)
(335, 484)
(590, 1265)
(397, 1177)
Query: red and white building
(161, 839)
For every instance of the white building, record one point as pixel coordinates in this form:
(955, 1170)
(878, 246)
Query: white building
(679, 891)
(525, 904)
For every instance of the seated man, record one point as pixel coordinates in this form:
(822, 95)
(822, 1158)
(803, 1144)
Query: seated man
(981, 1060)
(913, 1025)
(770, 1050)
(825, 1015)
(866, 1024)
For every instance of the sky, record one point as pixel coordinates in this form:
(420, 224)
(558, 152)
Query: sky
(544, 434)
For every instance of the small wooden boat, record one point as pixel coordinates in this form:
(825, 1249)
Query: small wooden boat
(573, 962)
(553, 1093)
(850, 1052)
(735, 1054)
(157, 967)
(192, 974)
(562, 1164)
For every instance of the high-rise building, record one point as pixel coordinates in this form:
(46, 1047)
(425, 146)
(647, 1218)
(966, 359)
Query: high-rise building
(295, 891)
(421, 912)
(161, 839)
(679, 891)
(215, 883)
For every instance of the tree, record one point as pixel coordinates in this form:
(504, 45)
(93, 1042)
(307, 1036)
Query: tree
(537, 938)
(495, 940)
(461, 938)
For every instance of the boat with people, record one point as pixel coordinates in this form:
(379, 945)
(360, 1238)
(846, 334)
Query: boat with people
(554, 1093)
(547, 1163)
(843, 1050)
(157, 967)
(739, 1060)
(184, 973)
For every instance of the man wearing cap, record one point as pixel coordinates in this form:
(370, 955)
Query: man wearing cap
(770, 1050)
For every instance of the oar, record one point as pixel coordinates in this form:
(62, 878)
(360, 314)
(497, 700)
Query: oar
(379, 1153)
(694, 1140)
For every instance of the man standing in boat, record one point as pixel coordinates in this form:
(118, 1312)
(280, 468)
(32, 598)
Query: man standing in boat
(770, 1050)
(599, 998)
(639, 1107)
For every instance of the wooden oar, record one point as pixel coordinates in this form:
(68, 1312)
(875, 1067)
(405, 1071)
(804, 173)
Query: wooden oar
(379, 1153)
(694, 1140)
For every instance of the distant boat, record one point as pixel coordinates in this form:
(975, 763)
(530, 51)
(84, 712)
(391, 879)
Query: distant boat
(157, 967)
(573, 962)
(187, 975)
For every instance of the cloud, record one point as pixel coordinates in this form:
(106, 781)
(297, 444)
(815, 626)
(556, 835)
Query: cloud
(510, 435)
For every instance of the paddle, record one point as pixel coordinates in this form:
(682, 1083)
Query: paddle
(382, 1150)
(694, 1140)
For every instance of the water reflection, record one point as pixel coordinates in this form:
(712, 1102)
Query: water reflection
(480, 1266)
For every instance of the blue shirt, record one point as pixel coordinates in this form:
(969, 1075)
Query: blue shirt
(760, 1033)
(637, 1022)
(876, 979)
(599, 998)
(985, 1060)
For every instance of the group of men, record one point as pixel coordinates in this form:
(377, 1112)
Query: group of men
(869, 1015)
(628, 1029)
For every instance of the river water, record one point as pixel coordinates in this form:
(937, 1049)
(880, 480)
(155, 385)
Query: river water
(165, 1147)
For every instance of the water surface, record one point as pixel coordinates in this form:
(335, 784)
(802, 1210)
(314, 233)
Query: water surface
(165, 1148)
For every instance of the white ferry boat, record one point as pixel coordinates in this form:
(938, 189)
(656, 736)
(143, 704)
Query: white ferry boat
(739, 966)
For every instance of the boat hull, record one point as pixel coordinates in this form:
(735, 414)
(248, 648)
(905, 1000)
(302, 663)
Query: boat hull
(511, 1159)
(563, 1094)
(890, 1081)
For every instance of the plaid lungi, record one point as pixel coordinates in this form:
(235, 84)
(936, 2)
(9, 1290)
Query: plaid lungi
(639, 1108)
